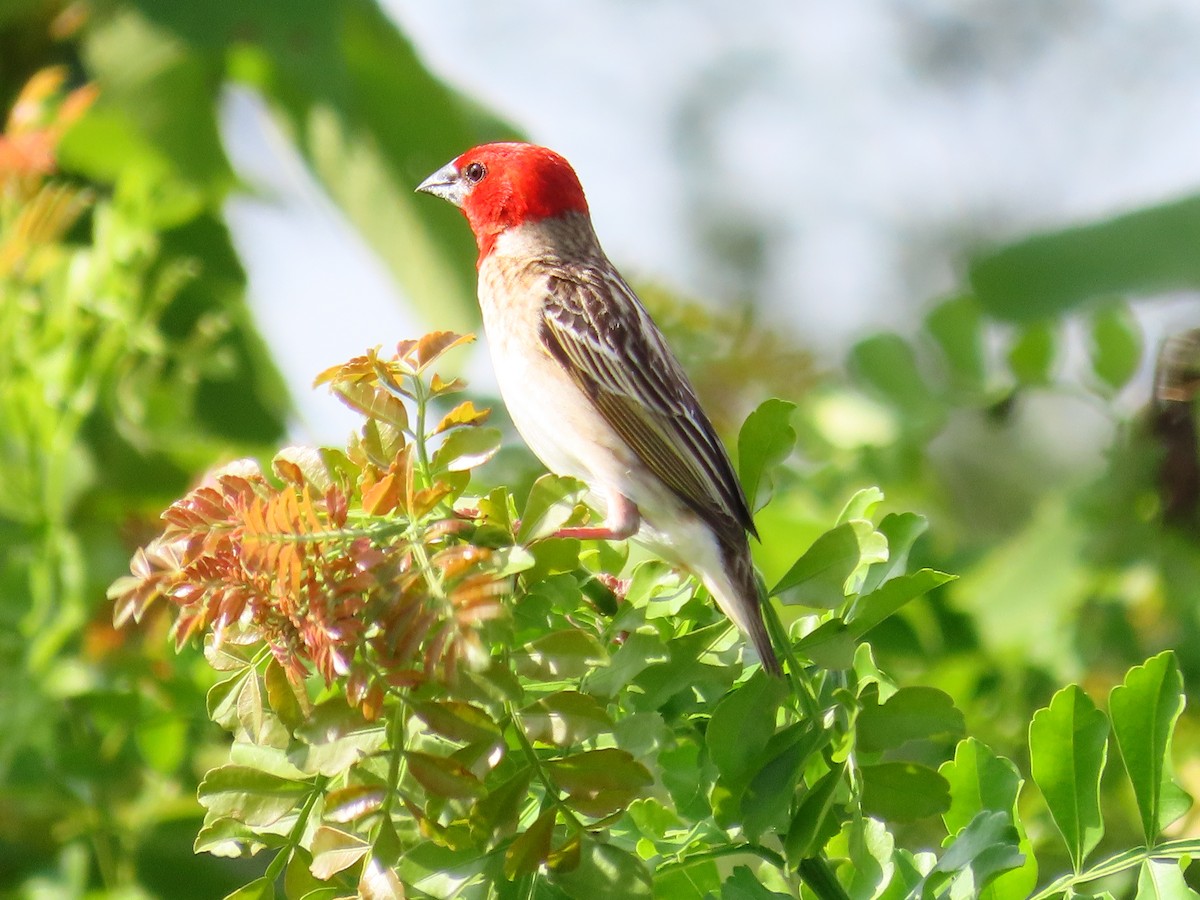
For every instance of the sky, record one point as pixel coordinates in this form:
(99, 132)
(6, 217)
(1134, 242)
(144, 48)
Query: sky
(833, 163)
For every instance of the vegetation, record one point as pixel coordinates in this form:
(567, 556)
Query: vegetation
(392, 679)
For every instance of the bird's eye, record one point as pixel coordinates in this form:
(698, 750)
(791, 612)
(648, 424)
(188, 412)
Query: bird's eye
(474, 172)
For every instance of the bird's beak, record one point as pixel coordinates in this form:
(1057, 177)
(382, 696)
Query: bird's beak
(446, 183)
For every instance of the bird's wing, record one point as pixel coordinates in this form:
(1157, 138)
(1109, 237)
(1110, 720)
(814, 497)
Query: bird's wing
(595, 327)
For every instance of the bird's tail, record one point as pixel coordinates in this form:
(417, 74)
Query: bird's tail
(736, 591)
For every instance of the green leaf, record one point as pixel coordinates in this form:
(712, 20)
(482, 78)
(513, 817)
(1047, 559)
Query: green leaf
(818, 578)
(831, 645)
(742, 885)
(769, 794)
(956, 326)
(335, 850)
(565, 718)
(654, 819)
(333, 738)
(901, 531)
(495, 816)
(456, 720)
(634, 656)
(466, 448)
(860, 506)
(531, 847)
(886, 364)
(224, 836)
(258, 889)
(910, 714)
(599, 782)
(250, 796)
(742, 724)
(903, 791)
(985, 848)
(443, 777)
(559, 655)
(604, 870)
(551, 502)
(1116, 344)
(1067, 749)
(288, 701)
(766, 439)
(1144, 711)
(351, 803)
(1148, 251)
(1162, 879)
(871, 609)
(979, 780)
(805, 836)
(1032, 355)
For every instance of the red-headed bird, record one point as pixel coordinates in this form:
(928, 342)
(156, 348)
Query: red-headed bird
(589, 380)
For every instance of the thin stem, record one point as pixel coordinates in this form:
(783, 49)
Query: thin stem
(691, 859)
(797, 678)
(395, 759)
(297, 832)
(1119, 863)
(422, 400)
(536, 763)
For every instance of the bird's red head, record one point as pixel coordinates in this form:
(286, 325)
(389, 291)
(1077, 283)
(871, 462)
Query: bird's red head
(501, 186)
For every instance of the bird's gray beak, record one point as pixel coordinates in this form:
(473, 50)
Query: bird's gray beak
(446, 183)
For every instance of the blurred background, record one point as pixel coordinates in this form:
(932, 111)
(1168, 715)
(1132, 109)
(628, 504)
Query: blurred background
(956, 235)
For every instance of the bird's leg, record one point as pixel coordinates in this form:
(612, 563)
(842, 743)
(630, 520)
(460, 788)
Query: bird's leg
(621, 522)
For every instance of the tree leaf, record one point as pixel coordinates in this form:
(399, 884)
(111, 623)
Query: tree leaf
(804, 836)
(985, 848)
(456, 720)
(604, 870)
(901, 531)
(871, 609)
(333, 738)
(551, 502)
(251, 796)
(560, 654)
(463, 414)
(765, 440)
(466, 448)
(886, 364)
(1067, 749)
(1144, 710)
(742, 885)
(979, 780)
(903, 791)
(1032, 354)
(956, 325)
(818, 578)
(442, 776)
(742, 724)
(1162, 879)
(335, 850)
(531, 847)
(770, 792)
(565, 718)
(258, 889)
(1116, 344)
(1148, 251)
(599, 782)
(351, 803)
(495, 816)
(912, 713)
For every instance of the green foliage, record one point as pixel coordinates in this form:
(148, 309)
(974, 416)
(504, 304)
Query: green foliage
(410, 686)
(389, 703)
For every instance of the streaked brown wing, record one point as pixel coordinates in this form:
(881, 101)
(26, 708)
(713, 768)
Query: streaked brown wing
(595, 327)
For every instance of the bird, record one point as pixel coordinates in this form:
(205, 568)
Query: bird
(588, 378)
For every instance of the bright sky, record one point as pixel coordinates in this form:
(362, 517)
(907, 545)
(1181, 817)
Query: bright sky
(860, 148)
